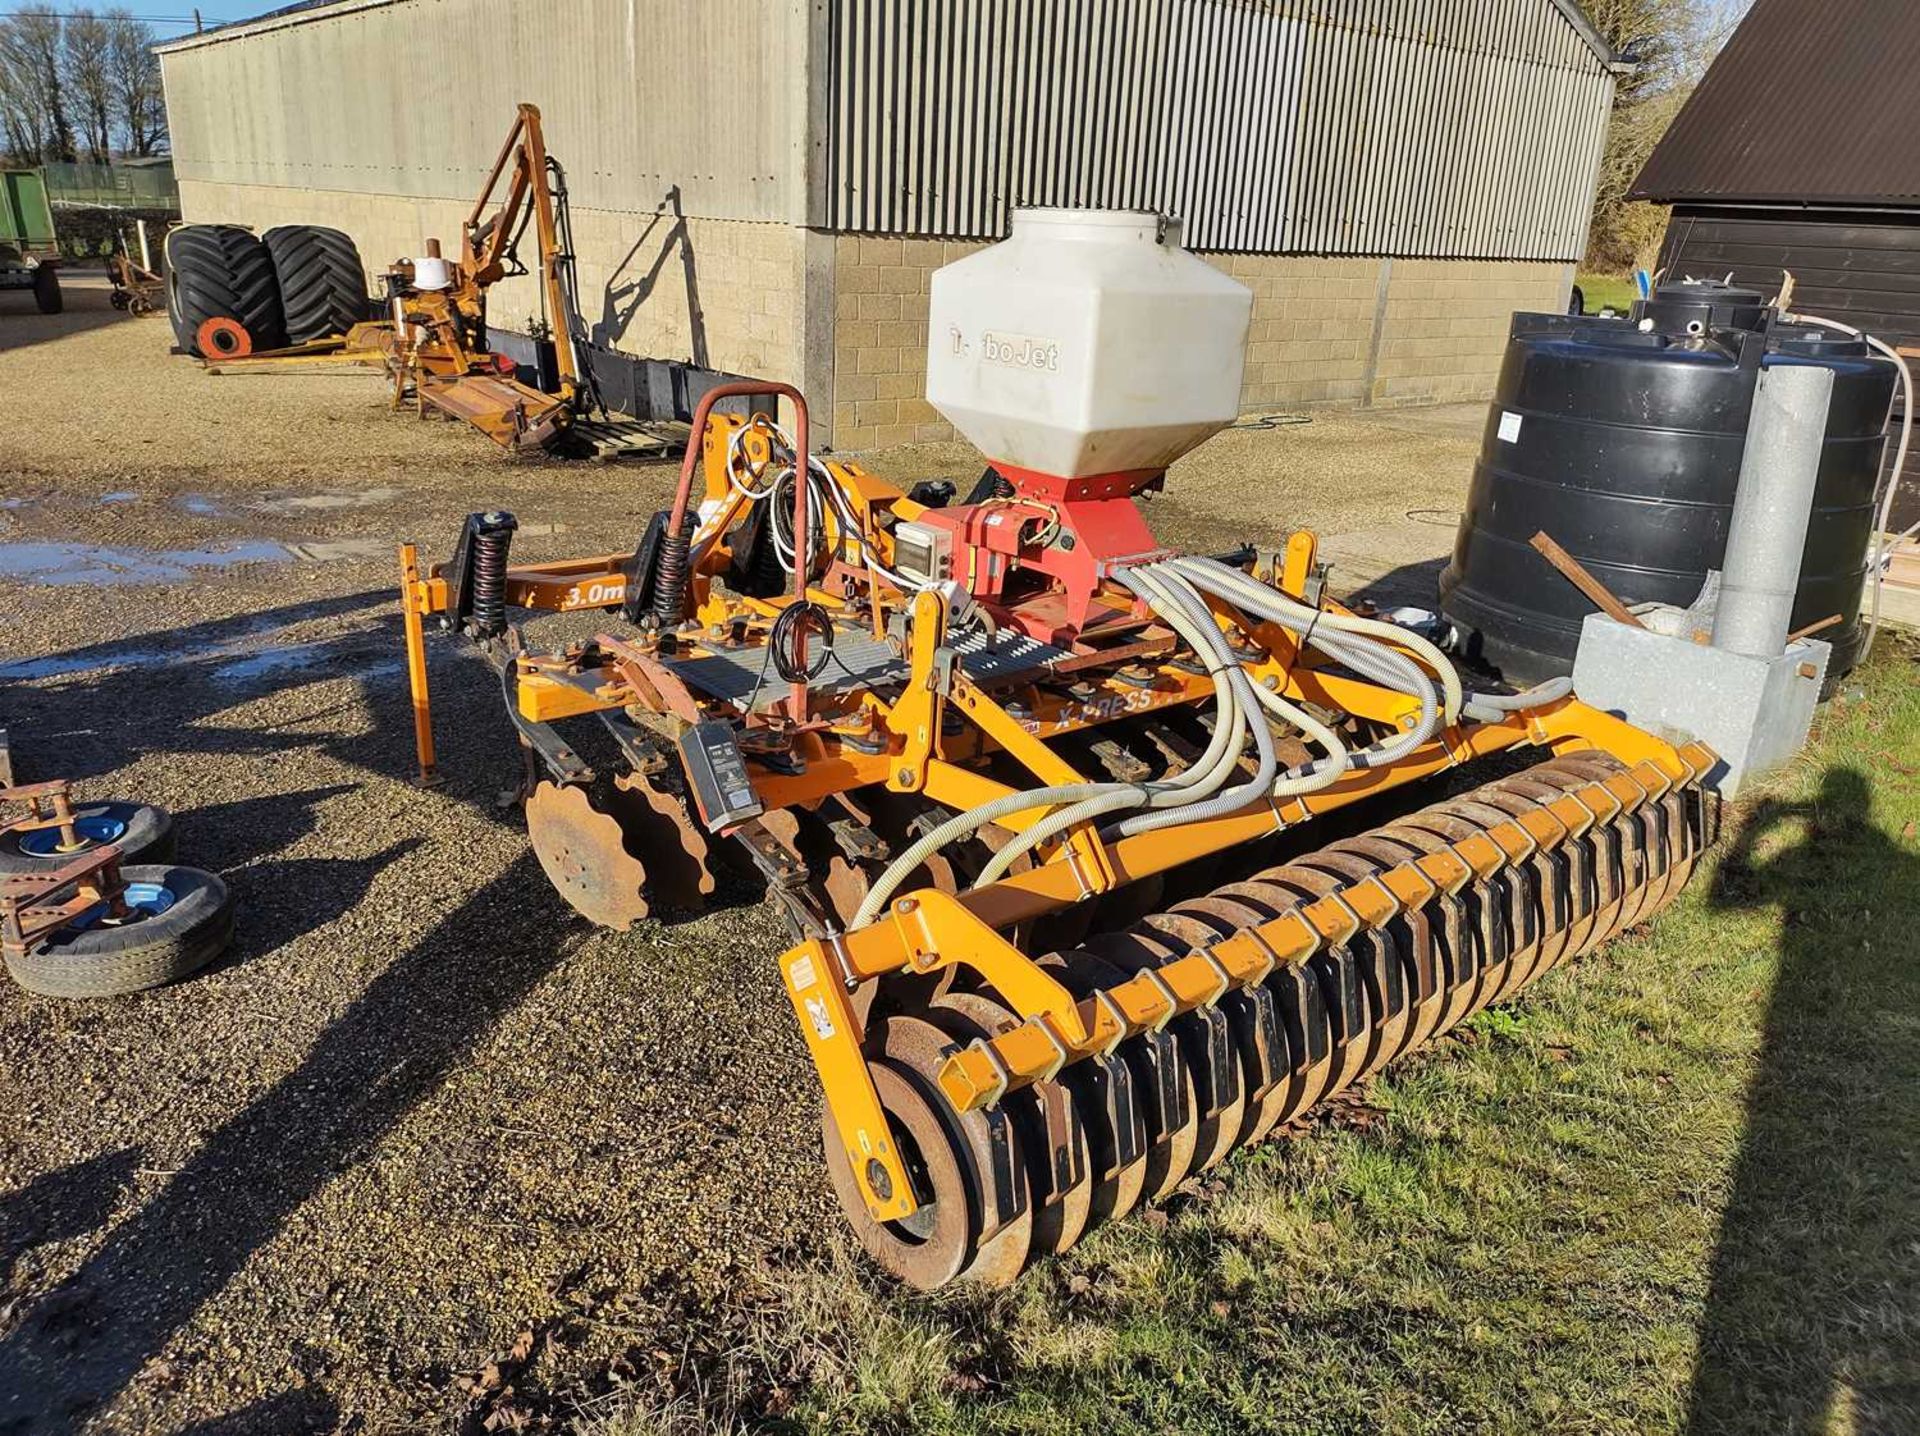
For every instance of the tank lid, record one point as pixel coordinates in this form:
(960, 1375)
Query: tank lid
(1698, 306)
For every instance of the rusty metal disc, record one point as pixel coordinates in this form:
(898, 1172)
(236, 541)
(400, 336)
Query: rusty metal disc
(223, 338)
(584, 853)
(929, 1248)
(1053, 1134)
(986, 1151)
(669, 841)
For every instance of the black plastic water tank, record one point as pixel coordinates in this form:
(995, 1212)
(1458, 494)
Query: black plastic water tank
(1622, 438)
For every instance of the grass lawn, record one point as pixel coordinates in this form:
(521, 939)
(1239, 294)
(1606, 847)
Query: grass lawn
(1604, 289)
(1675, 1188)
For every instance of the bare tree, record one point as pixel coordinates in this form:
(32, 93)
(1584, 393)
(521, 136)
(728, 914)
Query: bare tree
(134, 71)
(22, 115)
(34, 39)
(89, 48)
(1669, 43)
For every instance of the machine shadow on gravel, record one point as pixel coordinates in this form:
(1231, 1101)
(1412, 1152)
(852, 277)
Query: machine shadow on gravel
(22, 326)
(76, 1349)
(1815, 1270)
(58, 1206)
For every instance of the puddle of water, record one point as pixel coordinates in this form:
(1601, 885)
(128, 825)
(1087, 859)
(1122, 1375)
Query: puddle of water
(296, 658)
(124, 496)
(200, 504)
(61, 665)
(78, 563)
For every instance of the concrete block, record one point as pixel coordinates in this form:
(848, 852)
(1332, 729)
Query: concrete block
(1754, 712)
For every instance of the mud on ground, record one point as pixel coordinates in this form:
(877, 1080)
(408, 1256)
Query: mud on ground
(421, 1107)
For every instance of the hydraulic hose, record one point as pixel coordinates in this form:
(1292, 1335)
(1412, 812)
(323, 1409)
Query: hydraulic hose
(1318, 621)
(1219, 755)
(1180, 595)
(1190, 787)
(1364, 655)
(1492, 707)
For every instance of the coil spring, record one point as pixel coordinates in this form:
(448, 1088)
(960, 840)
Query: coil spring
(670, 578)
(492, 537)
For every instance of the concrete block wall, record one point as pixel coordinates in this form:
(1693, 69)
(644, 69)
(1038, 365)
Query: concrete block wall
(728, 294)
(1325, 331)
(880, 339)
(1443, 331)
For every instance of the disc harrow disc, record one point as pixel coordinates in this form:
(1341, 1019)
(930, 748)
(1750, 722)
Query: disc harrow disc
(584, 853)
(931, 1247)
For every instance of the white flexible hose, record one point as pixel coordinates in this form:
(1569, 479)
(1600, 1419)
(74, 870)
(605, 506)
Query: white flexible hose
(1317, 620)
(1883, 509)
(1199, 781)
(1219, 755)
(1380, 661)
(1180, 595)
(1493, 707)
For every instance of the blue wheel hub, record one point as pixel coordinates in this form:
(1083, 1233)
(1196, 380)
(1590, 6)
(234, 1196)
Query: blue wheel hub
(140, 899)
(94, 829)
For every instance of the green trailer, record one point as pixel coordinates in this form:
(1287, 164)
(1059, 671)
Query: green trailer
(29, 249)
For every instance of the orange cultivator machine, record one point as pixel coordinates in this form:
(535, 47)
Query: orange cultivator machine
(1101, 861)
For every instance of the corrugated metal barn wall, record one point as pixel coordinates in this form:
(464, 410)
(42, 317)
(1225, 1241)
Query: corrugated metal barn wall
(413, 97)
(1468, 128)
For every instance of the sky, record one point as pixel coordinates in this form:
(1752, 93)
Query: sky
(169, 18)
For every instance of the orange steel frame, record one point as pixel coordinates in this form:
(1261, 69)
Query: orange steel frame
(928, 930)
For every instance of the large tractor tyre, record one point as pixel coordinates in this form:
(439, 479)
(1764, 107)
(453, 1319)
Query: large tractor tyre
(323, 287)
(221, 271)
(46, 290)
(143, 831)
(177, 921)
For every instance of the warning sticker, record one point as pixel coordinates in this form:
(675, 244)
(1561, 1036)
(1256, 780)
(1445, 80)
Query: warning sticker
(817, 1014)
(802, 974)
(1509, 428)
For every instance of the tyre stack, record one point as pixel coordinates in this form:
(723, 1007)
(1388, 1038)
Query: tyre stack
(231, 292)
(173, 920)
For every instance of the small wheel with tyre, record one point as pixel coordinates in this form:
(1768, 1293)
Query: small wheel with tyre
(175, 921)
(46, 289)
(143, 831)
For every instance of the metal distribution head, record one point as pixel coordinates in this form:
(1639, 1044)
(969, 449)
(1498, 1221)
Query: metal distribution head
(1087, 343)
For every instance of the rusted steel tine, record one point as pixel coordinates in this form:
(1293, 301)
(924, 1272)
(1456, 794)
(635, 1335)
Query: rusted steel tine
(976, 1077)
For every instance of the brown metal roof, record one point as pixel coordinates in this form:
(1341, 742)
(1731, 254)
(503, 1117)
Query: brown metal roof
(1808, 103)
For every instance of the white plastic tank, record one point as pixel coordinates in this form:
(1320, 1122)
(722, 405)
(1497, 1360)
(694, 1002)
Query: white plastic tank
(431, 272)
(1089, 342)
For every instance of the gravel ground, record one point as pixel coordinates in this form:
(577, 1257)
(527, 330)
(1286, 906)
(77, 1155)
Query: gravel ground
(421, 1108)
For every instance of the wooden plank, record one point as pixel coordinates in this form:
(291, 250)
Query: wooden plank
(1576, 574)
